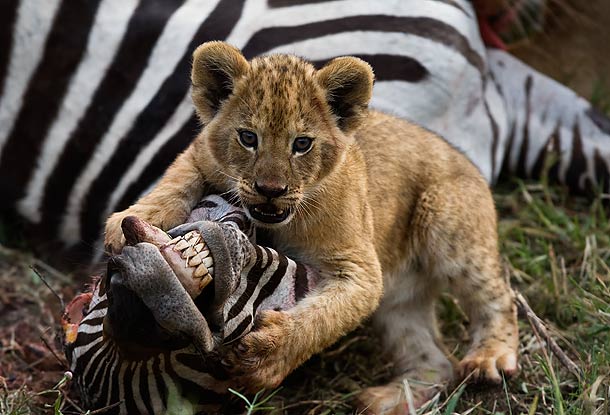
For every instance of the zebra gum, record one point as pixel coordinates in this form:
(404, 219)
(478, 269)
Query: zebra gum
(187, 255)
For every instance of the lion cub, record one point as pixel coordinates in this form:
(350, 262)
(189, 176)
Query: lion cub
(369, 199)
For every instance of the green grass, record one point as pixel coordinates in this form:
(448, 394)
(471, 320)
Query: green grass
(22, 401)
(558, 250)
(600, 97)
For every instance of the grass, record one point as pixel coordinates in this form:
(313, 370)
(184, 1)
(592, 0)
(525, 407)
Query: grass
(258, 401)
(600, 97)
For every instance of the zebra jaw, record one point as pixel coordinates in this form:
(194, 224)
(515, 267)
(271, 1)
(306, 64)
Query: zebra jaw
(187, 255)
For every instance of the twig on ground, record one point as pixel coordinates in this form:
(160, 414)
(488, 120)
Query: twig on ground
(105, 408)
(48, 346)
(339, 350)
(74, 404)
(61, 300)
(540, 330)
(312, 402)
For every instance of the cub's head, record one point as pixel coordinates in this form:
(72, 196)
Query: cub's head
(275, 126)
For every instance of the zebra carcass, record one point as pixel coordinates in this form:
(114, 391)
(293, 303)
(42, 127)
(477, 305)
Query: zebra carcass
(148, 338)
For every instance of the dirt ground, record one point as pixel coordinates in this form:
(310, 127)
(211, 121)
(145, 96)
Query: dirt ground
(31, 360)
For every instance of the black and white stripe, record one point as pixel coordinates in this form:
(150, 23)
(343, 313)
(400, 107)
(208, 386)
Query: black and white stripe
(142, 384)
(95, 100)
(546, 119)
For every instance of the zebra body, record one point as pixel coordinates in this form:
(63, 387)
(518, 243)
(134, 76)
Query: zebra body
(95, 99)
(123, 354)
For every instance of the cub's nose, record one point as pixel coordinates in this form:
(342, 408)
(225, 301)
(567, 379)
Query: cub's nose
(270, 189)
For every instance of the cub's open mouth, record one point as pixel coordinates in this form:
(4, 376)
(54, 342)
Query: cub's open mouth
(268, 213)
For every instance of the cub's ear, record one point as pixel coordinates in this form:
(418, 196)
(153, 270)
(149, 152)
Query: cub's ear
(216, 67)
(348, 83)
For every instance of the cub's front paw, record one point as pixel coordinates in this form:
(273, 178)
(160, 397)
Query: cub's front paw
(264, 357)
(114, 241)
(487, 363)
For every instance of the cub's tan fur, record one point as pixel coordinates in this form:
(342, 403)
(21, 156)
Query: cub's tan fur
(376, 201)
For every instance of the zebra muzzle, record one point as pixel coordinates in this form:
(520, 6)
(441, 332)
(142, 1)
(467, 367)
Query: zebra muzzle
(188, 255)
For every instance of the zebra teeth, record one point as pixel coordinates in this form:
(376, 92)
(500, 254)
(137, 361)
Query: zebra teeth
(195, 260)
(189, 252)
(191, 235)
(208, 262)
(181, 245)
(205, 281)
(200, 271)
(174, 241)
(199, 247)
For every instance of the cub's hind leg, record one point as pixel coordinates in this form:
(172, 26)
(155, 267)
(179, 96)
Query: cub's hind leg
(489, 304)
(406, 324)
(453, 244)
(456, 223)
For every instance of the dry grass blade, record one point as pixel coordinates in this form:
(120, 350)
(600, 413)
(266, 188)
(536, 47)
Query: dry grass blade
(44, 281)
(539, 327)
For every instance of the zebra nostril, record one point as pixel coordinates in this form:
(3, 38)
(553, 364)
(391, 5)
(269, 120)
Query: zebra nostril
(270, 190)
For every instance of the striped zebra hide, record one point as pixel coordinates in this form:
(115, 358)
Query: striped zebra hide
(146, 340)
(95, 104)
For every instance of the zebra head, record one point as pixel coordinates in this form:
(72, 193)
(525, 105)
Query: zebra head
(156, 311)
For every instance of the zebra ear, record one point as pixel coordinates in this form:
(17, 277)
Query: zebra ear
(348, 83)
(216, 66)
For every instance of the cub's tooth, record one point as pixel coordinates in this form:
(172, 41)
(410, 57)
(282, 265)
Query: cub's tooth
(181, 245)
(200, 271)
(208, 261)
(199, 247)
(205, 281)
(211, 270)
(189, 252)
(194, 261)
(204, 253)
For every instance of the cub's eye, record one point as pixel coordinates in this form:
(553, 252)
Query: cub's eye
(248, 139)
(301, 145)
